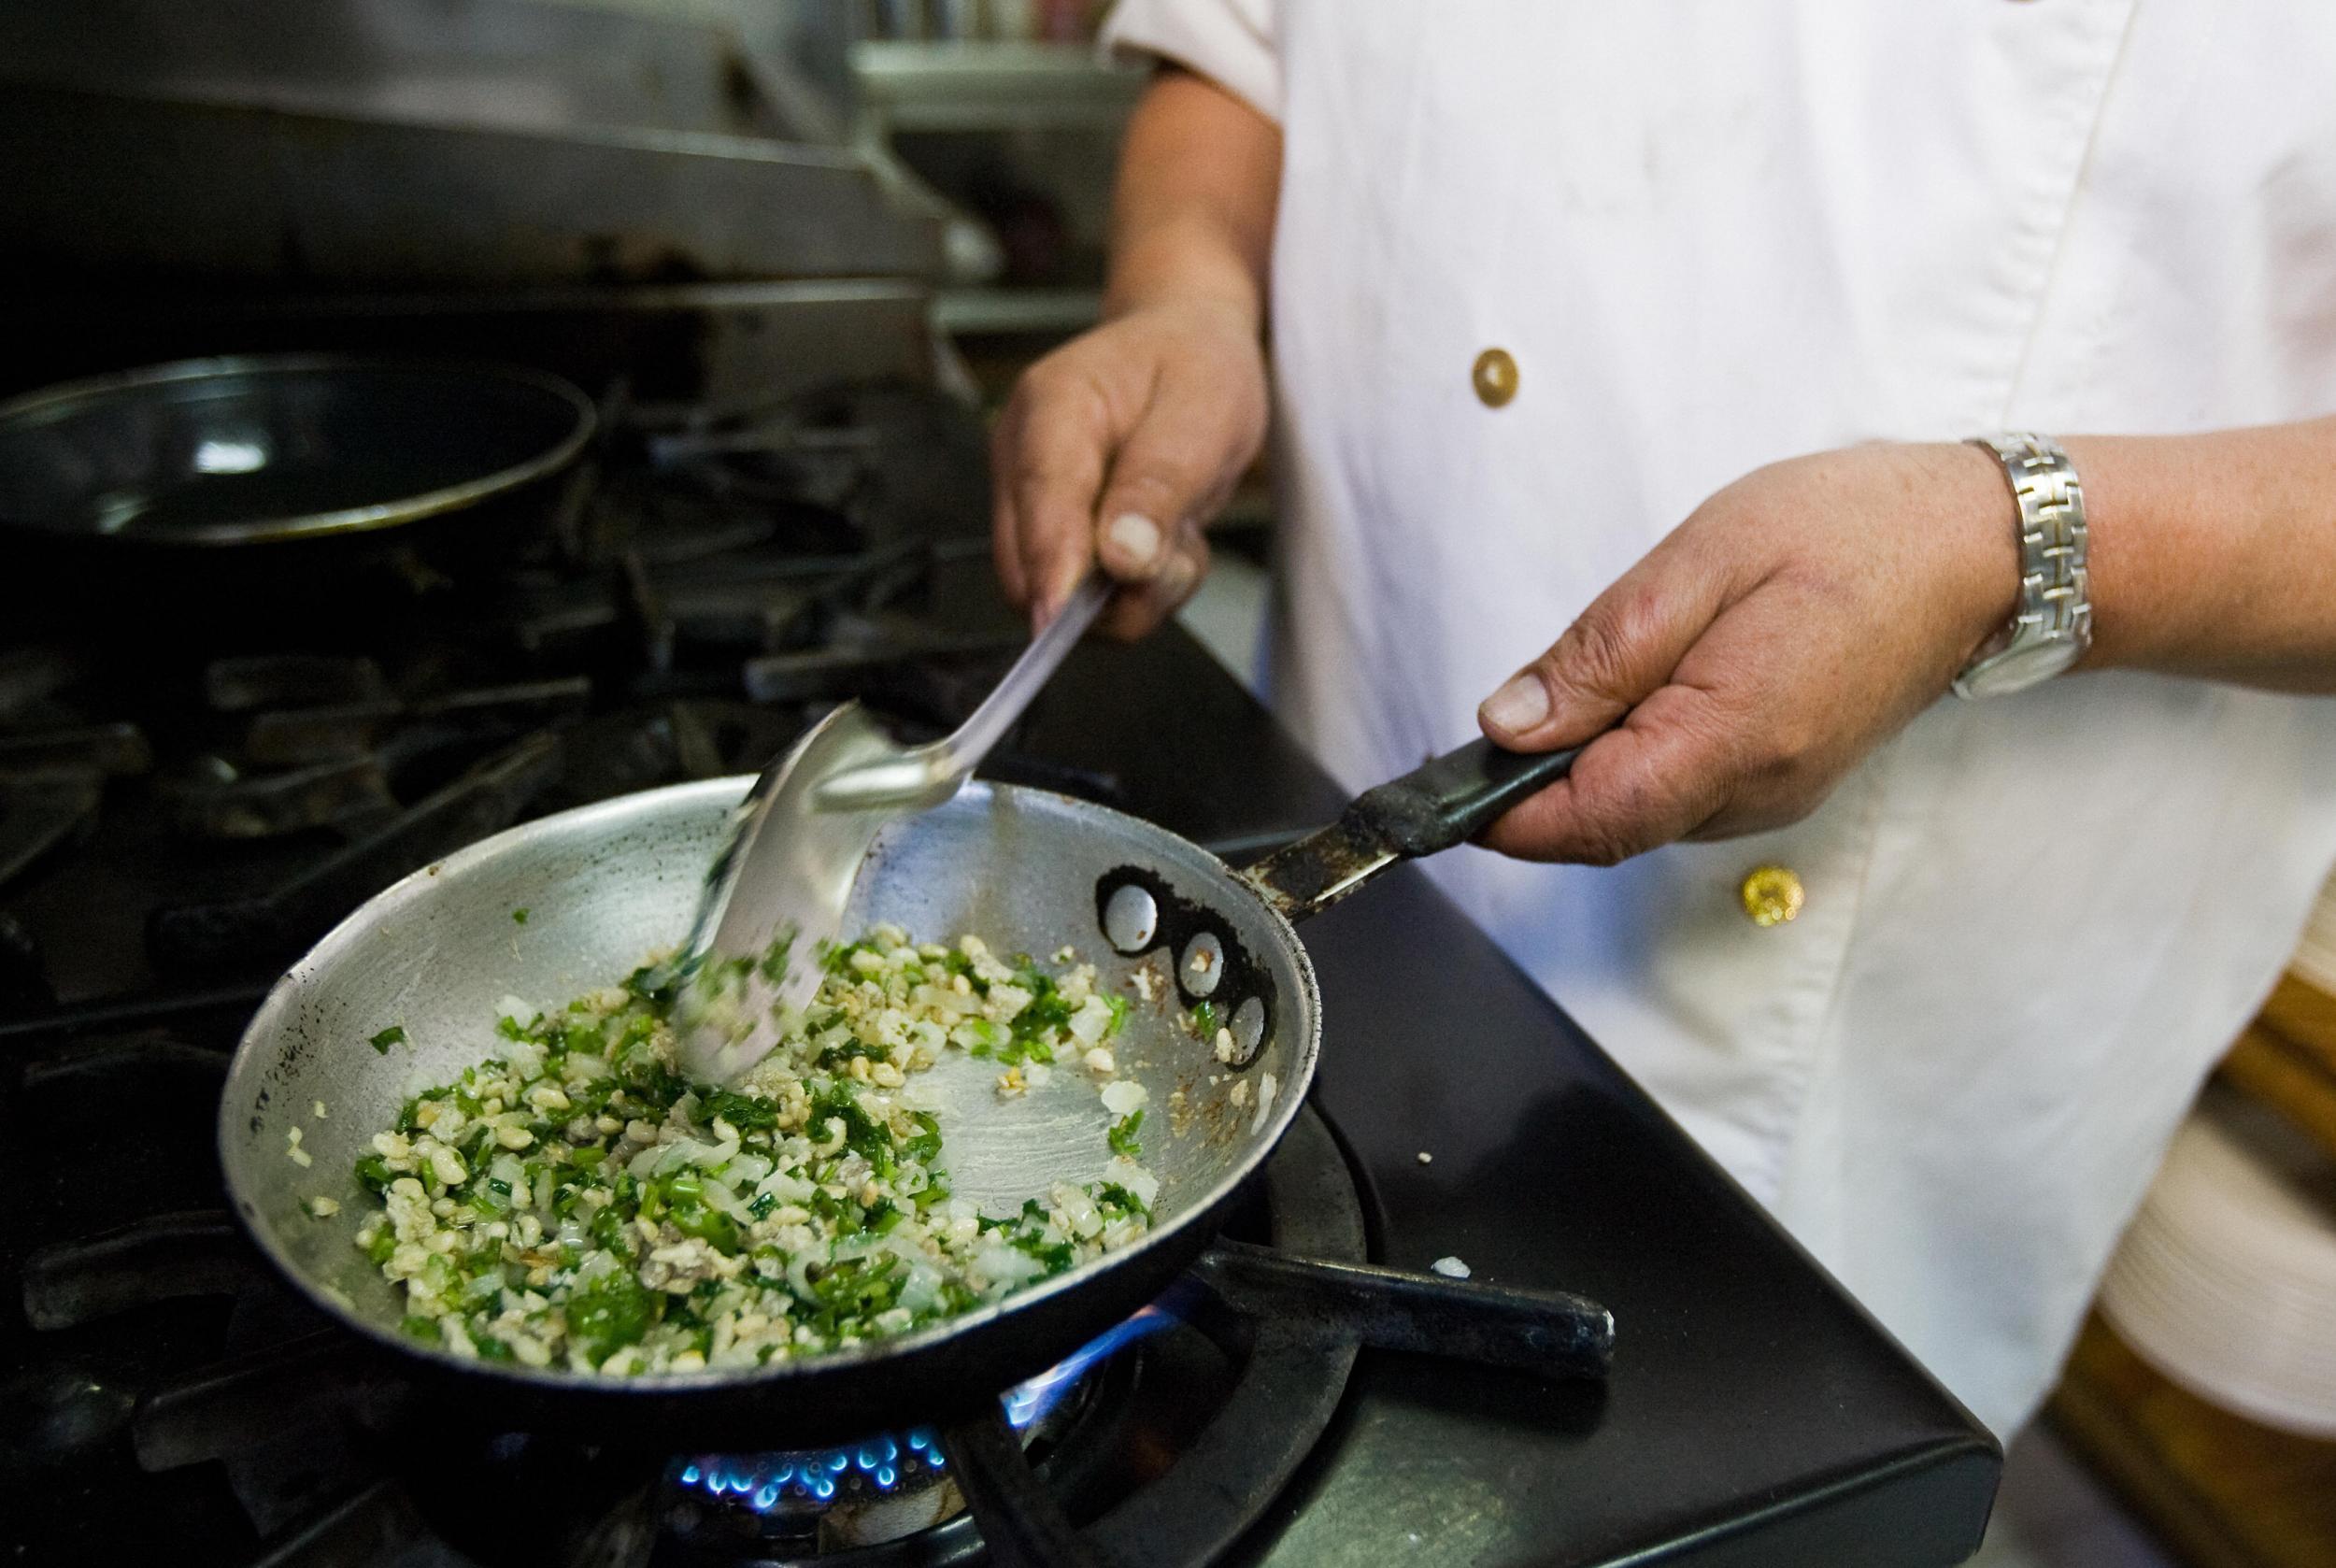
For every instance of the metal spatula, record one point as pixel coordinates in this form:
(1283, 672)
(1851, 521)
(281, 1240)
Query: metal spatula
(780, 888)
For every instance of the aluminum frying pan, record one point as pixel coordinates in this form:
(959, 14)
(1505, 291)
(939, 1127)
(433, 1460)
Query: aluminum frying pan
(1028, 870)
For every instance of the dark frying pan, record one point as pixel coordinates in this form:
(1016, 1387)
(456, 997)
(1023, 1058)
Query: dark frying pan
(213, 474)
(1027, 869)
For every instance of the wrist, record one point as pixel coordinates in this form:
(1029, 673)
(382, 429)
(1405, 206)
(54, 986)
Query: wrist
(1190, 270)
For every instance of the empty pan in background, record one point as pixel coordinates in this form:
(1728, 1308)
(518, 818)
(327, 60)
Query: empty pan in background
(213, 454)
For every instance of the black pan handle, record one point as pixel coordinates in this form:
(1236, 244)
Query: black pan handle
(1445, 801)
(1453, 798)
(1554, 1332)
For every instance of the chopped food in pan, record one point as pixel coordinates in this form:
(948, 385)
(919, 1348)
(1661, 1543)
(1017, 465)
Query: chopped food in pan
(576, 1203)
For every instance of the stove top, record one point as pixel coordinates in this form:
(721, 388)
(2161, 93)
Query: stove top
(171, 834)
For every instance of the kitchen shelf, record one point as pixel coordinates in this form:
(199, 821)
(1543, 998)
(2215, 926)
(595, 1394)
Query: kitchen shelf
(1055, 313)
(2222, 1490)
(991, 86)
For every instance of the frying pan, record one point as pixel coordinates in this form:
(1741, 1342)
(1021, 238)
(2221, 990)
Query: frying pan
(1026, 870)
(196, 490)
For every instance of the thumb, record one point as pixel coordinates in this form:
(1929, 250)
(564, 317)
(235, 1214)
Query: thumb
(1171, 470)
(1620, 651)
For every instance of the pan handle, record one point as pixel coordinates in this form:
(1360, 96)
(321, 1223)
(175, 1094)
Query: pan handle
(1447, 801)
(1451, 799)
(1554, 1332)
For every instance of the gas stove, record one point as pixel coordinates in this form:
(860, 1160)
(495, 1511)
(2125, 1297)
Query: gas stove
(172, 833)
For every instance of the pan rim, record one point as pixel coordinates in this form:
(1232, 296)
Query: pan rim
(245, 1067)
(49, 402)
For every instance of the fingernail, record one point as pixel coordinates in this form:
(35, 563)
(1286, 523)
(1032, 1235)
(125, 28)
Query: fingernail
(1517, 706)
(1134, 538)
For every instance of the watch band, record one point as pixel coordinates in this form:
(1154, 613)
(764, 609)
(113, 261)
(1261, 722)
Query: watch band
(2053, 623)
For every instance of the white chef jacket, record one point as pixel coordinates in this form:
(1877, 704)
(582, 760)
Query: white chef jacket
(1712, 236)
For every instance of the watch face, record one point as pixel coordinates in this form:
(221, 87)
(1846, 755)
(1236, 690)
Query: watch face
(2015, 669)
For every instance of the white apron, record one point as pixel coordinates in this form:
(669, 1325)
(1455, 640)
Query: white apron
(1716, 235)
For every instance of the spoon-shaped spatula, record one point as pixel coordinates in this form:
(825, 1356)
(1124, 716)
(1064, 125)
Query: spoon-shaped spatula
(780, 888)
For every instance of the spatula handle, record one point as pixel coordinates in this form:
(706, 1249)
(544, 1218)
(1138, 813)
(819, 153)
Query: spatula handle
(988, 725)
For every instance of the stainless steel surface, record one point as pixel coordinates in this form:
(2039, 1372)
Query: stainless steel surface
(991, 86)
(1130, 918)
(111, 184)
(2052, 624)
(519, 62)
(783, 871)
(798, 839)
(915, 778)
(608, 884)
(237, 451)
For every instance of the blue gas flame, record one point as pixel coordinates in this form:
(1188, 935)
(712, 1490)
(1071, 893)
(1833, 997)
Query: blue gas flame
(762, 1481)
(1033, 1399)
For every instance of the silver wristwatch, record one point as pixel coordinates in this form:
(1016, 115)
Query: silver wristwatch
(2053, 624)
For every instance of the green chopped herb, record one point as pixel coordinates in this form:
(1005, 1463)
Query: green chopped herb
(518, 916)
(1122, 1135)
(560, 1238)
(610, 1314)
(393, 1036)
(1110, 1194)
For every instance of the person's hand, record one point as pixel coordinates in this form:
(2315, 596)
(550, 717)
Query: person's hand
(1118, 445)
(1789, 626)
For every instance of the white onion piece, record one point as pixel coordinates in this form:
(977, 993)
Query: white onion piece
(942, 999)
(1125, 1096)
(1136, 1178)
(921, 1290)
(1002, 1264)
(786, 1189)
(1092, 1022)
(1078, 1210)
(722, 1197)
(1265, 1091)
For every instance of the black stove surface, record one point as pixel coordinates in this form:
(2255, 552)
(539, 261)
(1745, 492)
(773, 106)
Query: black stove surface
(1753, 1415)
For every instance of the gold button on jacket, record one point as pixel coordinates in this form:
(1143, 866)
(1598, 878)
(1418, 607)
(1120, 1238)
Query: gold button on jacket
(1772, 895)
(1495, 377)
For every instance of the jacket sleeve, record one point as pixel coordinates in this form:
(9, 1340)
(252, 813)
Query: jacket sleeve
(1231, 42)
